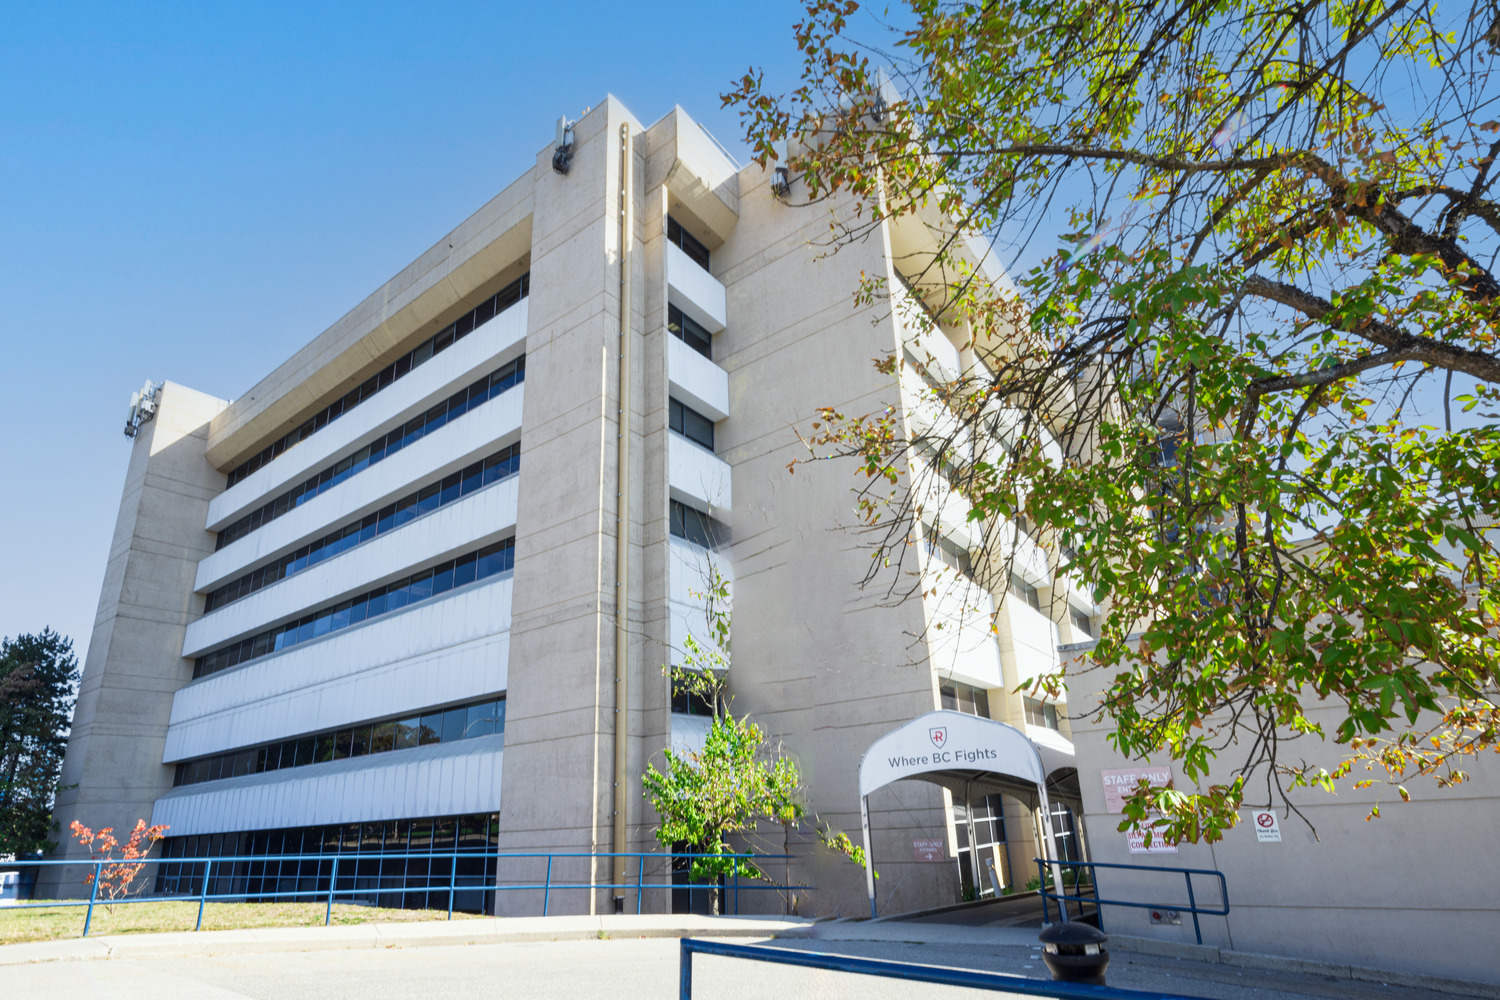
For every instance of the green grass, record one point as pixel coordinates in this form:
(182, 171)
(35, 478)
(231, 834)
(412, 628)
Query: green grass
(147, 918)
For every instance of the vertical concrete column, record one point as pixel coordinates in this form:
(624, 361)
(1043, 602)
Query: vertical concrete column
(113, 770)
(558, 769)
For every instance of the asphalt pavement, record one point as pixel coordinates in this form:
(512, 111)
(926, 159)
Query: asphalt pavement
(578, 958)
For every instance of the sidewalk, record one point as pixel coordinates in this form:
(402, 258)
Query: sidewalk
(406, 935)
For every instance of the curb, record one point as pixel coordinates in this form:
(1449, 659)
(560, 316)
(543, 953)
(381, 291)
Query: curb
(268, 940)
(1281, 963)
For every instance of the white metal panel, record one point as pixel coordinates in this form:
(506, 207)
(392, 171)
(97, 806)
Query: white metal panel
(473, 521)
(490, 345)
(960, 643)
(694, 290)
(689, 732)
(696, 475)
(436, 780)
(1033, 642)
(380, 668)
(697, 381)
(454, 445)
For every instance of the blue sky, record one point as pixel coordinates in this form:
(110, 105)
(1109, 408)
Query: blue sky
(193, 191)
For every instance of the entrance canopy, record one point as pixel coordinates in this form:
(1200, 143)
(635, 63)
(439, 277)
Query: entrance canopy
(966, 755)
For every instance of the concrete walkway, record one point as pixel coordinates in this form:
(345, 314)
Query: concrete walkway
(507, 930)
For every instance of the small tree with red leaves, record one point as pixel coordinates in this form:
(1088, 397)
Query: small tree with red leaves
(117, 877)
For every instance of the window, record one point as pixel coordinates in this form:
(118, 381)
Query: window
(1041, 713)
(479, 718)
(1082, 622)
(988, 818)
(959, 697)
(501, 379)
(686, 702)
(691, 424)
(949, 553)
(1025, 591)
(383, 875)
(696, 251)
(692, 525)
(501, 465)
(445, 576)
(438, 342)
(687, 330)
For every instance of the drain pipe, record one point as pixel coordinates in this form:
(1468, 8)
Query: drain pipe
(622, 527)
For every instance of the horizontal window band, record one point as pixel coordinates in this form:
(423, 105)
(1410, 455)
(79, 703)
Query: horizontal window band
(476, 394)
(402, 366)
(484, 717)
(477, 565)
(492, 469)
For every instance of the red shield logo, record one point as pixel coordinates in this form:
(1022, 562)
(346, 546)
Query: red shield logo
(938, 735)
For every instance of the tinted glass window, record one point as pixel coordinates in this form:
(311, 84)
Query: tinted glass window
(695, 250)
(691, 424)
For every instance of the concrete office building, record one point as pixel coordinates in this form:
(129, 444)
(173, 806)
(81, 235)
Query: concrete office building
(416, 586)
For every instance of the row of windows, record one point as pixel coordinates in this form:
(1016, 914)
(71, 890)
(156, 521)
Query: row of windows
(372, 856)
(696, 251)
(442, 725)
(1082, 622)
(690, 424)
(439, 579)
(959, 697)
(1041, 713)
(436, 344)
(502, 465)
(687, 330)
(1025, 591)
(383, 447)
(949, 553)
(692, 525)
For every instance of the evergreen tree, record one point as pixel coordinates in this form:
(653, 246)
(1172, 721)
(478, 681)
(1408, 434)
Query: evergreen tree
(38, 674)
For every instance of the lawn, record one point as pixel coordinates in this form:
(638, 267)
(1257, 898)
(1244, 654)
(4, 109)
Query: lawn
(150, 917)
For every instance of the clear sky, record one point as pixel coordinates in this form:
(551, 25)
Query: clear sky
(193, 191)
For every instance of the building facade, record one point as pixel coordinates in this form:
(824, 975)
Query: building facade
(416, 588)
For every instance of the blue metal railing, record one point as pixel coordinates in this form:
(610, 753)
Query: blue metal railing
(731, 886)
(908, 971)
(1099, 902)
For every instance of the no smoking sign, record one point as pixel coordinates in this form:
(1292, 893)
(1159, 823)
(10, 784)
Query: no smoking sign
(1267, 831)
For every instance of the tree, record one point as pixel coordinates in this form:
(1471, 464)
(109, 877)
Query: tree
(117, 876)
(1246, 381)
(37, 678)
(739, 779)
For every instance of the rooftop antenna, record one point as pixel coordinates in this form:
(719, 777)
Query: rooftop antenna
(562, 153)
(142, 407)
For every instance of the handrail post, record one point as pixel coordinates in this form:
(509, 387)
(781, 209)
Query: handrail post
(640, 877)
(547, 890)
(1193, 902)
(685, 972)
(333, 877)
(208, 867)
(452, 882)
(88, 918)
(1041, 878)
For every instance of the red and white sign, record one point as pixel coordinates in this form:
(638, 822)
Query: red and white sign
(1267, 830)
(928, 850)
(1136, 839)
(1119, 783)
(938, 735)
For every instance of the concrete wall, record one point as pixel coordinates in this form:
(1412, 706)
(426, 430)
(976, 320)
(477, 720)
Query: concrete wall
(1415, 890)
(113, 770)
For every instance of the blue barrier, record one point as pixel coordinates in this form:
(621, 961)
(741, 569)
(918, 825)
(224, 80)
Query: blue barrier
(908, 971)
(1099, 903)
(547, 885)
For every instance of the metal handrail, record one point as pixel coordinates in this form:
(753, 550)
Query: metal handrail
(547, 886)
(1042, 864)
(908, 971)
